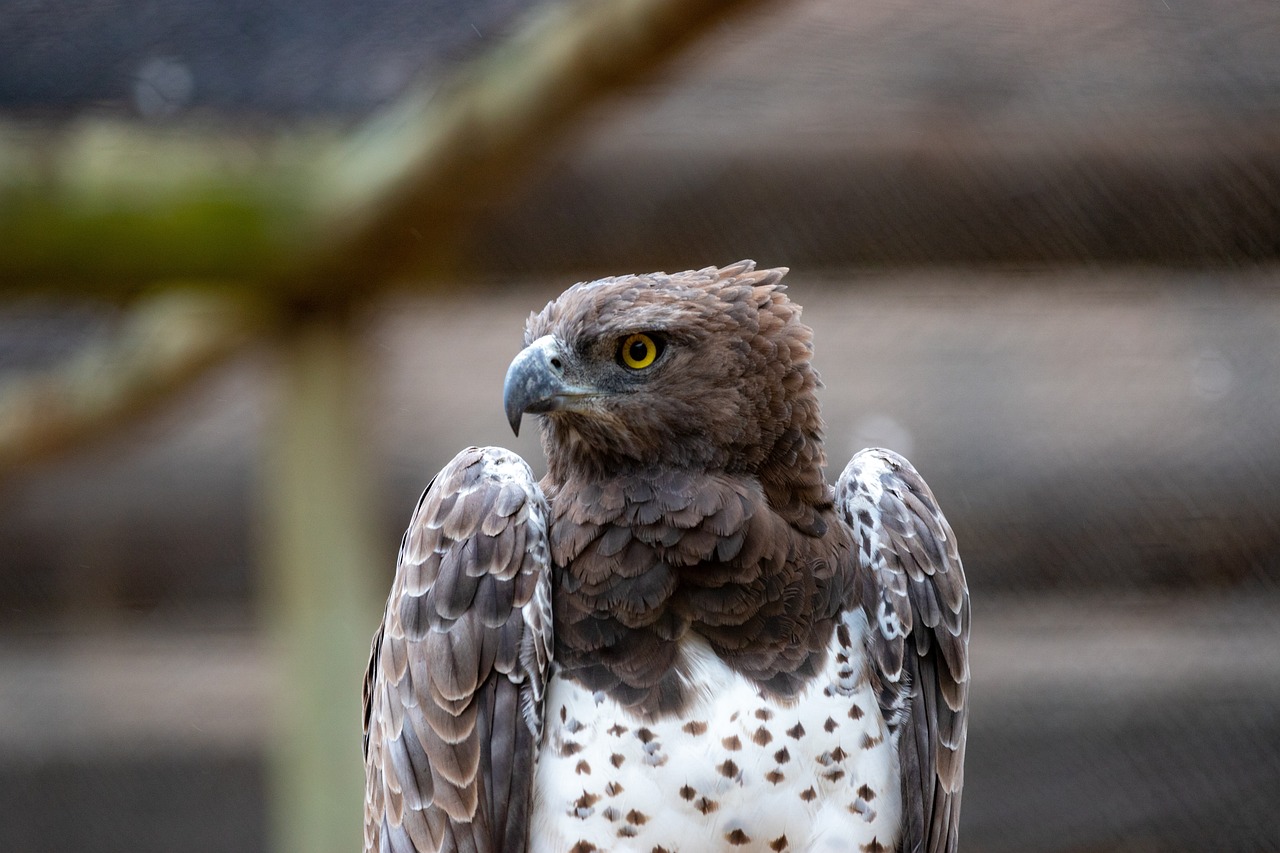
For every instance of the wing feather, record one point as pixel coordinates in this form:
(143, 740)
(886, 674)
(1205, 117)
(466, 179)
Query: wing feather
(457, 670)
(917, 604)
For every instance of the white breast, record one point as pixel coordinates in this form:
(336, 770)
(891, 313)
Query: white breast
(737, 771)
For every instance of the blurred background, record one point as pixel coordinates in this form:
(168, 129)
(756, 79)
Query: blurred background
(263, 266)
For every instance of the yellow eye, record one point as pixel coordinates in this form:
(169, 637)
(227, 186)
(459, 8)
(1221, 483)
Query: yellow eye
(638, 351)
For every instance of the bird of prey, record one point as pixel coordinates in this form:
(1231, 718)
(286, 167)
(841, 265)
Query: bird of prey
(682, 637)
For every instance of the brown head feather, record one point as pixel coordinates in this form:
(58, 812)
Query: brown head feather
(733, 390)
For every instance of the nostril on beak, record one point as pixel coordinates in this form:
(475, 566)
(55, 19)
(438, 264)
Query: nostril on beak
(556, 364)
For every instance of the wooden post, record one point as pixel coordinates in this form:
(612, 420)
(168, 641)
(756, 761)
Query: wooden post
(324, 573)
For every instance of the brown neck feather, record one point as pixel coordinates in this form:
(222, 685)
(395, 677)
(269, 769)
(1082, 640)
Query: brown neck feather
(646, 559)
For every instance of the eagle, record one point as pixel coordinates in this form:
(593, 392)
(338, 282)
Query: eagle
(682, 637)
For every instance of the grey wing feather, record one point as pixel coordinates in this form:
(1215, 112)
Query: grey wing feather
(917, 604)
(453, 693)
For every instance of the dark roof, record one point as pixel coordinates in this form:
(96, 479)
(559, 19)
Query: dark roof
(285, 58)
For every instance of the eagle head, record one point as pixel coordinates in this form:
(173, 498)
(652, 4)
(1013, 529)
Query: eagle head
(704, 370)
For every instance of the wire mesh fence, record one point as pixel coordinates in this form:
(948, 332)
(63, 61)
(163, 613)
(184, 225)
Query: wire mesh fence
(1037, 245)
(1102, 444)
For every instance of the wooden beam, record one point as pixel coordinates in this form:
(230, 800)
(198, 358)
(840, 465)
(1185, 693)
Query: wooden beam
(323, 582)
(168, 341)
(403, 198)
(107, 209)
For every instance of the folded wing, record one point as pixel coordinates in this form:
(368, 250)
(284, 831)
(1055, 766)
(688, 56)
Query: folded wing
(917, 606)
(453, 693)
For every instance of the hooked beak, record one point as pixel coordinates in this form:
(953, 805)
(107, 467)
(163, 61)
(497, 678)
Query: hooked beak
(536, 382)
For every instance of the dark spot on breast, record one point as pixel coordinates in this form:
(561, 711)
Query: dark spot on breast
(869, 742)
(728, 769)
(833, 775)
(637, 818)
(866, 793)
(779, 844)
(842, 635)
(564, 715)
(626, 831)
(645, 735)
(613, 789)
(583, 768)
(616, 760)
(764, 714)
(586, 801)
(617, 730)
(570, 747)
(688, 793)
(655, 759)
(808, 794)
(737, 838)
(572, 726)
(775, 776)
(732, 743)
(583, 847)
(611, 813)
(706, 806)
(829, 725)
(855, 713)
(695, 727)
(873, 846)
(782, 756)
(796, 732)
(762, 737)
(659, 850)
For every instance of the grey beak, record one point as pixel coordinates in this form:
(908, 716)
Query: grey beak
(535, 381)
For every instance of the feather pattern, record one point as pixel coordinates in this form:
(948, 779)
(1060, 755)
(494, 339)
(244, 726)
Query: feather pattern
(917, 604)
(453, 693)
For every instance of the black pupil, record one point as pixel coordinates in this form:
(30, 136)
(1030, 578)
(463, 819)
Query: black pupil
(638, 351)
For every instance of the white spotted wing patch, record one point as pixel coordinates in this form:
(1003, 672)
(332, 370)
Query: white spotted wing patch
(916, 596)
(735, 771)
